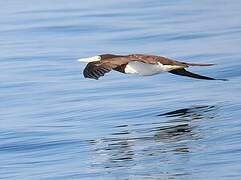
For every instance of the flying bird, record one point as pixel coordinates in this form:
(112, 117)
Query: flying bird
(140, 64)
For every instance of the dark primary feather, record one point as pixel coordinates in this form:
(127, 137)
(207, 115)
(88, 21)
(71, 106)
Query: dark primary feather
(95, 70)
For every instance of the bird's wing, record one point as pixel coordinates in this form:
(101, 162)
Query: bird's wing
(95, 70)
(183, 72)
(157, 59)
(165, 61)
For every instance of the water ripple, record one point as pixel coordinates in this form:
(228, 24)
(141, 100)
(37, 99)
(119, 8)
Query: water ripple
(57, 125)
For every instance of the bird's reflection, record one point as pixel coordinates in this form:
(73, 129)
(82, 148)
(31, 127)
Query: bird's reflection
(198, 111)
(179, 126)
(172, 134)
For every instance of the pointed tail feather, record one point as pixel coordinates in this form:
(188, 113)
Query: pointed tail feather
(183, 72)
(199, 64)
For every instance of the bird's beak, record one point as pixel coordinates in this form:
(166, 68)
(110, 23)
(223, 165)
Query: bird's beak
(90, 59)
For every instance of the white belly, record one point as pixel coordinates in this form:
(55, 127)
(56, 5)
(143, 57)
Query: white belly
(144, 69)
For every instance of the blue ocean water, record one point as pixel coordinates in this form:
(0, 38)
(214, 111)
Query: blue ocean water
(54, 124)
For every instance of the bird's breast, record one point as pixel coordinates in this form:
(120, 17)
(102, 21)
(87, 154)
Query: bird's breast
(144, 69)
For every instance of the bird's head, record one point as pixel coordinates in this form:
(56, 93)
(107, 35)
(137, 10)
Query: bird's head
(98, 58)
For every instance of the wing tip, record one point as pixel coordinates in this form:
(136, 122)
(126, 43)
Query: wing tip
(91, 77)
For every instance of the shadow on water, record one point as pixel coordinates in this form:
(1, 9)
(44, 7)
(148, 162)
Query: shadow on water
(133, 144)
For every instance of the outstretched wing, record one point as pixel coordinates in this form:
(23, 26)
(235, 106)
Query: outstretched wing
(165, 61)
(183, 72)
(150, 59)
(95, 70)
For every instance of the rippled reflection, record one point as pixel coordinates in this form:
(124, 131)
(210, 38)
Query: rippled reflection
(166, 142)
(194, 112)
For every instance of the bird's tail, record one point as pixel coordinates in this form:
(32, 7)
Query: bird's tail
(199, 64)
(184, 72)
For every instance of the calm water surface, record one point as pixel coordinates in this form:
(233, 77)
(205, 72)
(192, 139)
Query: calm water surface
(54, 124)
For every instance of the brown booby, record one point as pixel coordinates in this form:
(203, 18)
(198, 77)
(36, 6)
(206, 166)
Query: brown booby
(141, 64)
